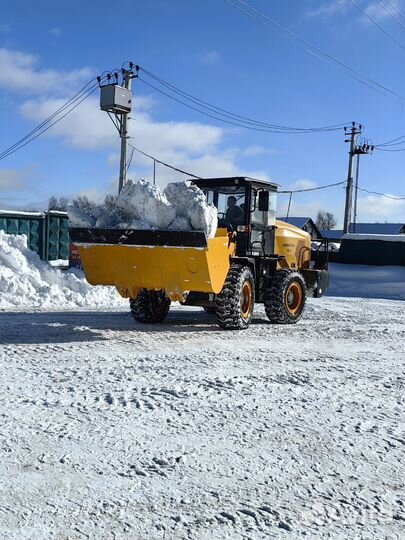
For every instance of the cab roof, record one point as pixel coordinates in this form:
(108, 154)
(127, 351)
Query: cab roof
(234, 180)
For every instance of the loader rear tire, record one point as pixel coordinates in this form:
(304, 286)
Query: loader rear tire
(149, 306)
(235, 303)
(286, 297)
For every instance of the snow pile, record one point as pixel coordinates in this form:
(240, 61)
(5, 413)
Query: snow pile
(141, 205)
(145, 202)
(189, 203)
(25, 280)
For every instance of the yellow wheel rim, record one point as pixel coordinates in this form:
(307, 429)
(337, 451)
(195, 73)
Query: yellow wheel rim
(293, 298)
(246, 299)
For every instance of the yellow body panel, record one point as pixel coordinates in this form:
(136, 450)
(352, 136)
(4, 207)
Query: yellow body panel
(177, 270)
(294, 244)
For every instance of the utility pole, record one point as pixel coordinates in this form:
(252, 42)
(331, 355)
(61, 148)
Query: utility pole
(116, 100)
(355, 149)
(356, 189)
(353, 132)
(127, 76)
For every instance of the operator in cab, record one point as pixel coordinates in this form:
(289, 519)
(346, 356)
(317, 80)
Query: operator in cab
(234, 214)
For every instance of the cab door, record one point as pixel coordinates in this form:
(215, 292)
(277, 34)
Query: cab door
(262, 221)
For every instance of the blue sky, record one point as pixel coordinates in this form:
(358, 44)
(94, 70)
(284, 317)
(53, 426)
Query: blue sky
(48, 50)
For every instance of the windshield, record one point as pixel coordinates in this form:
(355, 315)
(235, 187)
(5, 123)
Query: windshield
(230, 202)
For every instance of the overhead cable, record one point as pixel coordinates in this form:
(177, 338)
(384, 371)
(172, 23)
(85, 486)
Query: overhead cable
(312, 49)
(382, 195)
(217, 116)
(395, 7)
(312, 189)
(392, 142)
(391, 149)
(381, 3)
(53, 119)
(233, 116)
(163, 162)
(364, 12)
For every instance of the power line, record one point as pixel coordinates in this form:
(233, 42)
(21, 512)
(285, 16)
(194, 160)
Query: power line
(72, 99)
(389, 13)
(395, 8)
(235, 122)
(45, 125)
(382, 195)
(199, 177)
(237, 117)
(314, 50)
(364, 198)
(313, 189)
(377, 24)
(391, 142)
(391, 149)
(163, 163)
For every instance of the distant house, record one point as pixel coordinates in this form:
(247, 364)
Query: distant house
(366, 228)
(304, 223)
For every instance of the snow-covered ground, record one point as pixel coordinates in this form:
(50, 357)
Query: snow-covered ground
(114, 430)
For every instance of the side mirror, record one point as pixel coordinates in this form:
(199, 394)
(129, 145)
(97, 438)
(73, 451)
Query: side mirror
(263, 201)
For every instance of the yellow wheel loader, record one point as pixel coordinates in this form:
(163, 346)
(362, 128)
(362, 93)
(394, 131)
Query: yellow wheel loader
(252, 259)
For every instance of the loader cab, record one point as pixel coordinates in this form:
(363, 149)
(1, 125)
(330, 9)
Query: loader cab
(254, 214)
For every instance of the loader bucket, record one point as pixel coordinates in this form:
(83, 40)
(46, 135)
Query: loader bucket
(174, 261)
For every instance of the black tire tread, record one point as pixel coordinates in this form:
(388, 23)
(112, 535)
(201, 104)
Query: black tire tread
(143, 308)
(227, 302)
(274, 302)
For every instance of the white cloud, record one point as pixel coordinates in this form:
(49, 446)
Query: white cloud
(377, 11)
(257, 150)
(329, 9)
(196, 147)
(373, 8)
(20, 72)
(13, 180)
(209, 58)
(191, 146)
(88, 128)
(56, 31)
(302, 183)
(375, 208)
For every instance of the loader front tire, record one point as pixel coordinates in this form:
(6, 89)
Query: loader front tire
(285, 300)
(234, 304)
(149, 306)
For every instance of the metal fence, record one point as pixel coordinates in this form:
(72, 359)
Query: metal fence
(47, 232)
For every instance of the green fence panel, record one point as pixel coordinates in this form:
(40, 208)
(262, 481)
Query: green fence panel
(57, 236)
(32, 225)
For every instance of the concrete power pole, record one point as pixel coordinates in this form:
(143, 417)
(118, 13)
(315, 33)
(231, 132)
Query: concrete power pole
(355, 149)
(353, 131)
(356, 192)
(116, 100)
(127, 75)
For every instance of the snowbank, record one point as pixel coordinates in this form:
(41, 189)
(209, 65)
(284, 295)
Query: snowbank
(367, 281)
(141, 205)
(379, 237)
(25, 280)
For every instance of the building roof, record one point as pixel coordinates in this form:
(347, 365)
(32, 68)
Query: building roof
(232, 180)
(300, 222)
(377, 228)
(366, 228)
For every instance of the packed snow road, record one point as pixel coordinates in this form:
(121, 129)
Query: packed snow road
(113, 430)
